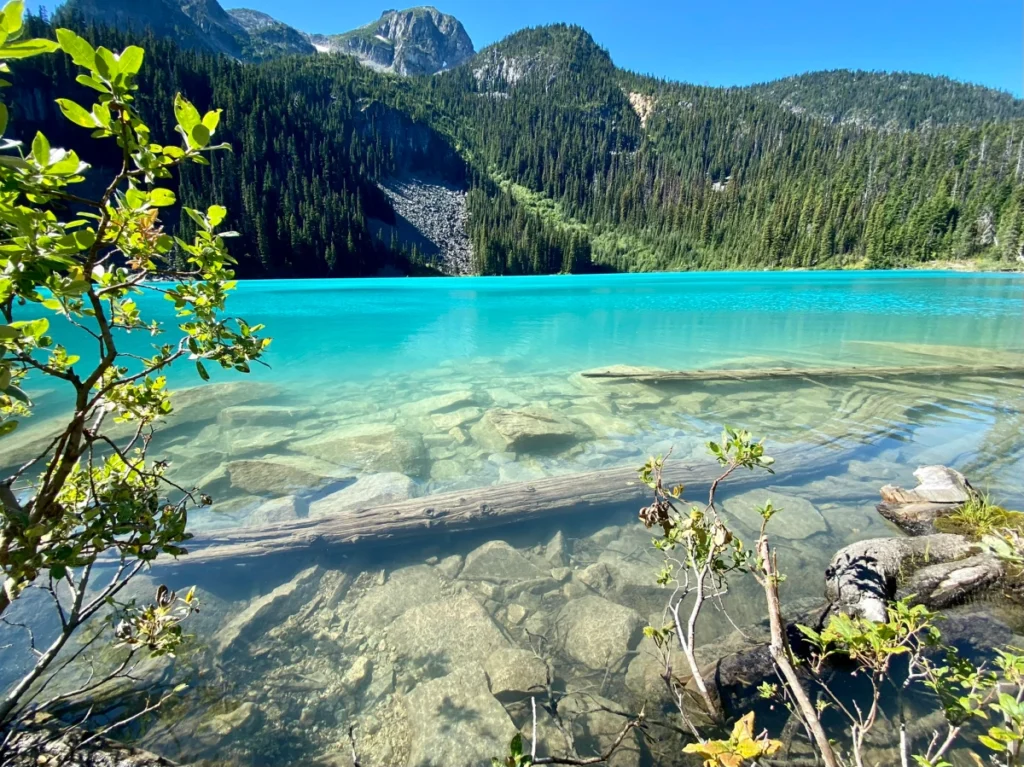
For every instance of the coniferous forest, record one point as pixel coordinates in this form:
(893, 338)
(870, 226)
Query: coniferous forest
(571, 164)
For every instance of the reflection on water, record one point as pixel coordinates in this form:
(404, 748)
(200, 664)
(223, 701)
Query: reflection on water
(387, 390)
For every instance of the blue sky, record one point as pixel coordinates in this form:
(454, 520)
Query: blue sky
(736, 42)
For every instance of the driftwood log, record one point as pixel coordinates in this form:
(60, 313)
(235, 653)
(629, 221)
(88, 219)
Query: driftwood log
(766, 374)
(486, 507)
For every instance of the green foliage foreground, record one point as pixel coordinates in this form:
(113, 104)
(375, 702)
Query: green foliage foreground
(91, 510)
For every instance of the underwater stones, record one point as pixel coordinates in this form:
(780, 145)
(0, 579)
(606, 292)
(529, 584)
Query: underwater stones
(454, 721)
(369, 447)
(797, 518)
(270, 477)
(556, 551)
(498, 562)
(451, 566)
(458, 435)
(441, 403)
(515, 614)
(692, 403)
(505, 398)
(605, 425)
(207, 402)
(456, 418)
(446, 469)
(262, 415)
(248, 624)
(599, 633)
(514, 674)
(285, 509)
(519, 472)
(358, 673)
(521, 431)
(595, 729)
(432, 639)
(596, 576)
(403, 589)
(366, 492)
(235, 721)
(644, 677)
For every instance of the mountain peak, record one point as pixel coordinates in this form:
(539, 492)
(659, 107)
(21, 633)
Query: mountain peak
(414, 41)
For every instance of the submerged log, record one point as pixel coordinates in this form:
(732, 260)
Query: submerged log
(766, 374)
(485, 507)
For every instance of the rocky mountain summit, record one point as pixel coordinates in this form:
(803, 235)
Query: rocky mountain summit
(417, 41)
(269, 37)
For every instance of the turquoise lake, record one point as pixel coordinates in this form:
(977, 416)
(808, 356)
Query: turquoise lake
(383, 390)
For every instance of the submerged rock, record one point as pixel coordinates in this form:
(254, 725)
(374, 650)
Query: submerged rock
(263, 611)
(515, 674)
(278, 510)
(454, 721)
(370, 447)
(595, 728)
(599, 633)
(436, 638)
(522, 431)
(262, 415)
(441, 403)
(936, 484)
(402, 590)
(498, 562)
(270, 478)
(797, 518)
(366, 492)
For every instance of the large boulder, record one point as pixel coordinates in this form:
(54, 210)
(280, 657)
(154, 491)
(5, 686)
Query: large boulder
(276, 511)
(515, 674)
(365, 493)
(936, 484)
(433, 639)
(797, 518)
(262, 415)
(403, 589)
(441, 403)
(599, 633)
(267, 477)
(266, 611)
(370, 447)
(863, 577)
(454, 721)
(498, 562)
(521, 431)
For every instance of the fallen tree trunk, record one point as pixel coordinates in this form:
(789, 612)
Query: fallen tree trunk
(484, 507)
(763, 374)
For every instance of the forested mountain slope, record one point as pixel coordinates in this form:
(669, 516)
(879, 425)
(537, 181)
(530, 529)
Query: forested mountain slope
(894, 100)
(567, 162)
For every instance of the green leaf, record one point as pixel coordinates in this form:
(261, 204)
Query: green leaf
(201, 368)
(7, 427)
(9, 333)
(76, 113)
(516, 746)
(3, 118)
(162, 197)
(77, 48)
(11, 20)
(200, 135)
(131, 59)
(212, 119)
(92, 82)
(216, 214)
(186, 114)
(41, 149)
(5, 378)
(106, 65)
(24, 49)
(990, 744)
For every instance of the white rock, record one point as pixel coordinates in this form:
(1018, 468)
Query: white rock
(599, 633)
